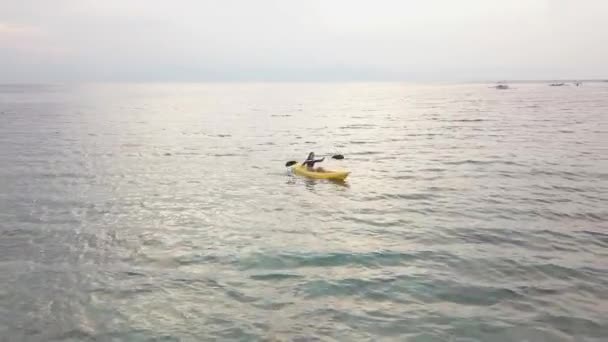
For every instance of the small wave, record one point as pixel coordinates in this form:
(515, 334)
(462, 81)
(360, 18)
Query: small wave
(274, 276)
(227, 155)
(585, 216)
(555, 271)
(466, 120)
(598, 238)
(560, 188)
(378, 223)
(409, 196)
(544, 172)
(481, 162)
(134, 274)
(405, 177)
(195, 259)
(297, 260)
(359, 126)
(74, 335)
(472, 294)
(187, 154)
(433, 169)
(67, 175)
(367, 153)
(493, 237)
(575, 326)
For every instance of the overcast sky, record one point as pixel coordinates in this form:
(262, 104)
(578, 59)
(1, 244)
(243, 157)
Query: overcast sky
(333, 40)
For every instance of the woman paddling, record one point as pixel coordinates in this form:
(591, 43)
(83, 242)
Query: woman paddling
(310, 162)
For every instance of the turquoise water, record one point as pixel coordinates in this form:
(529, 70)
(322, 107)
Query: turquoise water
(164, 212)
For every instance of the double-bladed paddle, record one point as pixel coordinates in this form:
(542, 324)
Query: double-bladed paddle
(293, 162)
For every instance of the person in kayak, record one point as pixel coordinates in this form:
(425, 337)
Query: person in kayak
(310, 162)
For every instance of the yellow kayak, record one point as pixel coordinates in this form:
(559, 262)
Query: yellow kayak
(302, 170)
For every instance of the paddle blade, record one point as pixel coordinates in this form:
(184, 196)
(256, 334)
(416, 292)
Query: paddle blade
(290, 163)
(338, 156)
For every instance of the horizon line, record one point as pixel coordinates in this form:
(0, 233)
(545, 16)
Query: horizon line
(502, 80)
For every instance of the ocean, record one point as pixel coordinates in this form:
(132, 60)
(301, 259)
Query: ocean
(165, 212)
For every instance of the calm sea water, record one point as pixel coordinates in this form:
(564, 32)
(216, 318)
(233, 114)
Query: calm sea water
(164, 212)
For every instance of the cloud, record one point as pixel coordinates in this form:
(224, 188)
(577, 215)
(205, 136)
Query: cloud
(18, 33)
(27, 43)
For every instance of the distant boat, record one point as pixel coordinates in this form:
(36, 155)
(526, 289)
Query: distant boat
(557, 84)
(501, 86)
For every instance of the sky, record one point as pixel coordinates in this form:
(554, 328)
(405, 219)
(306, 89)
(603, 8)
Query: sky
(304, 40)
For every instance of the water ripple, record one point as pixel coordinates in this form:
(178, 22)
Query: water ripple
(164, 212)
